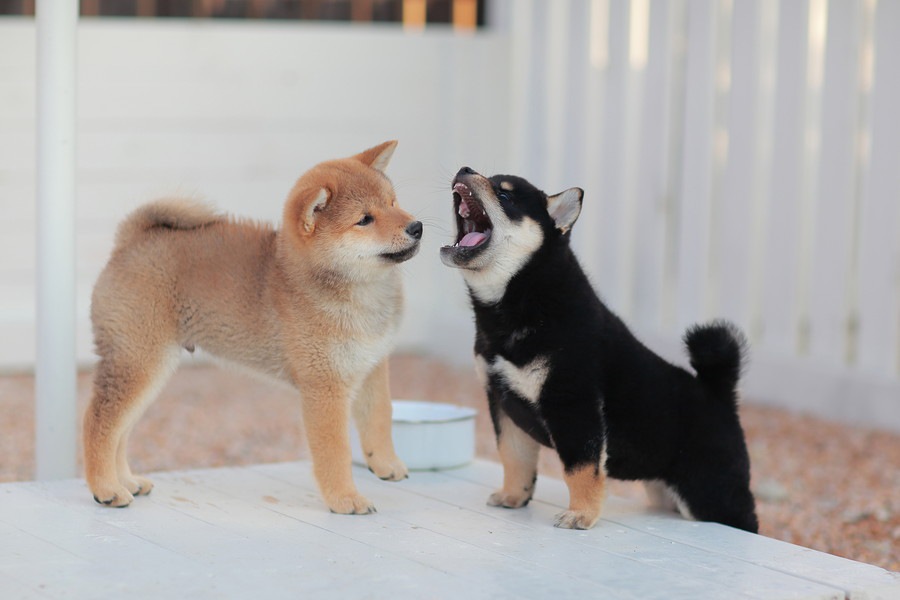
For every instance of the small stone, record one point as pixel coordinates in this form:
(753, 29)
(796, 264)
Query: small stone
(852, 516)
(772, 491)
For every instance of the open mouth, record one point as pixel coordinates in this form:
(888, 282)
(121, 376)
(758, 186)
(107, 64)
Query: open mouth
(473, 227)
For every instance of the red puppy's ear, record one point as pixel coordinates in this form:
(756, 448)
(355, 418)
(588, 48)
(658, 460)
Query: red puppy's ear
(309, 204)
(379, 156)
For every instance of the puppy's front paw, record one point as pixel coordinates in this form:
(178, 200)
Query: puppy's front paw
(576, 519)
(116, 496)
(507, 500)
(388, 469)
(138, 486)
(351, 504)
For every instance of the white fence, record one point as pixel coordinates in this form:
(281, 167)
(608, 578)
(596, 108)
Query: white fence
(741, 158)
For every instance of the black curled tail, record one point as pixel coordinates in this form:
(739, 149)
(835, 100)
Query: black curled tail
(717, 351)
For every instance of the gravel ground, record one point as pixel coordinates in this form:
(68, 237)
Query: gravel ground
(818, 484)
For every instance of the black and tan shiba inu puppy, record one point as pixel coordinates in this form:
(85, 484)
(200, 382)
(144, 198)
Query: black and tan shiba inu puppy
(562, 370)
(315, 304)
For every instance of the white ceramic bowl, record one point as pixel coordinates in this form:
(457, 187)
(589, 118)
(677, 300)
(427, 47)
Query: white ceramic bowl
(429, 436)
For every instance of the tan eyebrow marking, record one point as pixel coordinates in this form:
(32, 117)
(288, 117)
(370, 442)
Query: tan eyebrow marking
(505, 185)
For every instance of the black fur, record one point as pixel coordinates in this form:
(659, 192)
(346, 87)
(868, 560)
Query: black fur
(605, 389)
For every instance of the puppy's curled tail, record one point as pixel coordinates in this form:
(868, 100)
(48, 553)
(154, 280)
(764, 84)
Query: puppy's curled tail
(169, 213)
(717, 351)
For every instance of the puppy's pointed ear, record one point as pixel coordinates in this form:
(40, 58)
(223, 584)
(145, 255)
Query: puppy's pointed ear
(565, 207)
(309, 204)
(379, 156)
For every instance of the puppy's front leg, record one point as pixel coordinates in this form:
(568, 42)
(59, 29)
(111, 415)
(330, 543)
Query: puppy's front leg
(519, 455)
(587, 487)
(582, 450)
(325, 415)
(372, 412)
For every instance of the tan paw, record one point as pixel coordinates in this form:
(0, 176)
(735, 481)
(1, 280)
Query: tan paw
(390, 469)
(138, 486)
(351, 504)
(116, 496)
(506, 500)
(576, 519)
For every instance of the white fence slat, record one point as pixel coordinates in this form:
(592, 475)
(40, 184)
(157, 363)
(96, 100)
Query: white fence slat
(694, 201)
(739, 189)
(610, 221)
(554, 86)
(525, 54)
(653, 172)
(571, 163)
(835, 185)
(585, 237)
(762, 164)
(878, 285)
(786, 190)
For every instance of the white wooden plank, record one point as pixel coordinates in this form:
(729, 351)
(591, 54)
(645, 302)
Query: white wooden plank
(242, 548)
(558, 107)
(653, 179)
(652, 551)
(732, 238)
(13, 589)
(586, 240)
(878, 281)
(162, 60)
(571, 162)
(694, 195)
(543, 556)
(230, 533)
(524, 50)
(608, 221)
(835, 186)
(840, 573)
(417, 541)
(783, 227)
(765, 97)
(655, 553)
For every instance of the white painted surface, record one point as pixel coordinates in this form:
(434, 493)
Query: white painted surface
(263, 532)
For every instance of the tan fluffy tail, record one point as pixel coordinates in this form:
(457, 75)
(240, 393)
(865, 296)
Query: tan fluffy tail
(170, 213)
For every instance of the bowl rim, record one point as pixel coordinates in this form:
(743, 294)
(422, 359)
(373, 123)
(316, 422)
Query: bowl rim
(471, 413)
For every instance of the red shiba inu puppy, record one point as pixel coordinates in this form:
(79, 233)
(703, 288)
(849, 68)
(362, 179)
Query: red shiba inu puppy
(315, 304)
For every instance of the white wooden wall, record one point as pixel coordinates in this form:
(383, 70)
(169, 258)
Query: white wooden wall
(233, 112)
(740, 159)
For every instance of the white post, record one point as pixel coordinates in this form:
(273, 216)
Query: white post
(55, 383)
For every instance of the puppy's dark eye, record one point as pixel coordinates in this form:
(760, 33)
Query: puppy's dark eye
(365, 220)
(503, 197)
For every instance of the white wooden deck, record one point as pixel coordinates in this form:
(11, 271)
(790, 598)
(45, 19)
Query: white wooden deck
(262, 532)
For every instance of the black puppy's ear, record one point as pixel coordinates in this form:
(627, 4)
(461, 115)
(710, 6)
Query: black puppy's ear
(565, 207)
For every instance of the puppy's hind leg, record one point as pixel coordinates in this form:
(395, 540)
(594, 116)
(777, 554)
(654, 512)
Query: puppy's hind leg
(122, 391)
(660, 496)
(718, 497)
(519, 455)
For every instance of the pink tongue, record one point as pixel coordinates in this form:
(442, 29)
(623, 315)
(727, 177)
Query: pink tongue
(472, 239)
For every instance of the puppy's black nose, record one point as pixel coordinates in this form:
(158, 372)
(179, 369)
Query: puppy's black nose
(415, 229)
(466, 171)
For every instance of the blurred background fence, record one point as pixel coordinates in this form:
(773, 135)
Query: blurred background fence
(741, 158)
